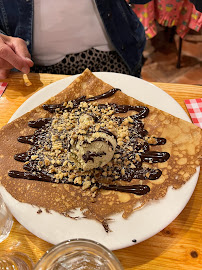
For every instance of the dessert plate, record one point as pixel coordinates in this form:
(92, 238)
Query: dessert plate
(142, 224)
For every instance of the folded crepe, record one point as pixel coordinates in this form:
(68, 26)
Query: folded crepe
(152, 150)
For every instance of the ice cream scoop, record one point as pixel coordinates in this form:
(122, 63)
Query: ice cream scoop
(92, 150)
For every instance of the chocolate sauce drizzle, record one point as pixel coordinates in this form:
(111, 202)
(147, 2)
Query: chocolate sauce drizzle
(137, 135)
(41, 176)
(90, 155)
(100, 139)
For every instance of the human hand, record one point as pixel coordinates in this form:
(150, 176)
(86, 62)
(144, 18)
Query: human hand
(13, 54)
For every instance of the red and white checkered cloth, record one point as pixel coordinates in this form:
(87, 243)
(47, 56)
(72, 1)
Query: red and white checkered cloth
(2, 87)
(194, 106)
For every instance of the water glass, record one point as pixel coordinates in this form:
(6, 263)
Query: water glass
(78, 254)
(15, 261)
(6, 221)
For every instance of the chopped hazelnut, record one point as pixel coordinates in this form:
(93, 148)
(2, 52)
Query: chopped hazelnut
(78, 180)
(33, 157)
(86, 185)
(47, 161)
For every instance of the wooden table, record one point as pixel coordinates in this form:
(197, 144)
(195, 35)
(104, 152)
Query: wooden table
(178, 246)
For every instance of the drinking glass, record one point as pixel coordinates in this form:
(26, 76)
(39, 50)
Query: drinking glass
(15, 261)
(78, 254)
(6, 220)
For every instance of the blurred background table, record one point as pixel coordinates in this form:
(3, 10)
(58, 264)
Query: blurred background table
(178, 246)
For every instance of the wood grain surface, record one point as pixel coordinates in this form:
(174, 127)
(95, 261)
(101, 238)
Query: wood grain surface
(178, 246)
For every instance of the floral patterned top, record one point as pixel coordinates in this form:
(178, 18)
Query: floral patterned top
(179, 13)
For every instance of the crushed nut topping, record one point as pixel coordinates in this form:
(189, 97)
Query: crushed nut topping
(87, 144)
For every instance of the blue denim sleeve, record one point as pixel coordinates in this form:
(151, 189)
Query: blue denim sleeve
(2, 32)
(197, 3)
(139, 1)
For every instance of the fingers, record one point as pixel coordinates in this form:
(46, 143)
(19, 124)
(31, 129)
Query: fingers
(29, 62)
(21, 50)
(5, 68)
(5, 65)
(16, 61)
(4, 73)
(8, 53)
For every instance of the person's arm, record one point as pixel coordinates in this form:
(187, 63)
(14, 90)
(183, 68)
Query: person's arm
(13, 54)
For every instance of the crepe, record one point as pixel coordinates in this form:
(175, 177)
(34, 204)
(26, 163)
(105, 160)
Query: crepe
(182, 144)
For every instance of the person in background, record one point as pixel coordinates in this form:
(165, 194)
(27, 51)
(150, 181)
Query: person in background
(68, 36)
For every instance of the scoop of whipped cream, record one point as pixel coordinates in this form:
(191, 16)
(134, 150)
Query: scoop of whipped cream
(89, 148)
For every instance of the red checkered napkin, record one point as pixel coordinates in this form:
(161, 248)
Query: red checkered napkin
(194, 106)
(2, 87)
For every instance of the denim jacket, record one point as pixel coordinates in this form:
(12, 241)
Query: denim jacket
(122, 25)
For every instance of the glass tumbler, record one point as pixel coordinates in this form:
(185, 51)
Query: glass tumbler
(6, 221)
(15, 261)
(78, 254)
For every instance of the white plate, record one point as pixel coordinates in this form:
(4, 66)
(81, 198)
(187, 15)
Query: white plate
(142, 224)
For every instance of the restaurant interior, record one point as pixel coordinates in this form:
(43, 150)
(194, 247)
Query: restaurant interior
(161, 58)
